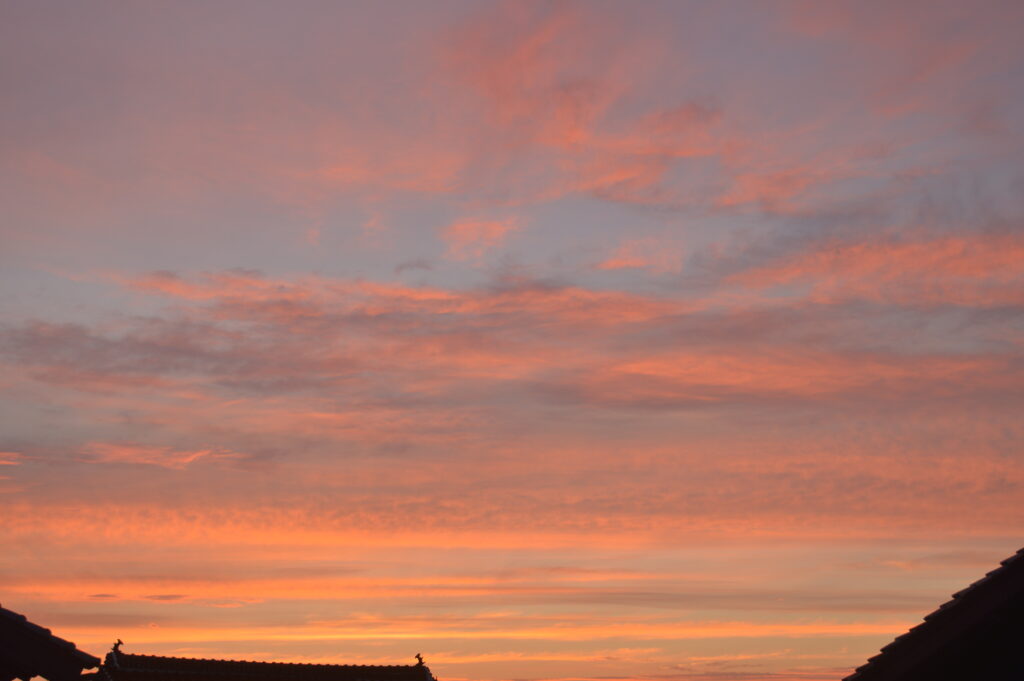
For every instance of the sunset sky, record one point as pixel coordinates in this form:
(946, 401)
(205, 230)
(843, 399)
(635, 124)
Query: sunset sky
(658, 341)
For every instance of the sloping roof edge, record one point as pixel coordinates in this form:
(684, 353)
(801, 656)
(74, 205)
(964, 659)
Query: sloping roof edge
(967, 608)
(37, 652)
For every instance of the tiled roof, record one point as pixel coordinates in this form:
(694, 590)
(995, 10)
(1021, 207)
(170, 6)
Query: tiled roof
(978, 630)
(121, 666)
(28, 650)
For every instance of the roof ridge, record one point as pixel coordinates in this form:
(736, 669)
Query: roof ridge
(123, 655)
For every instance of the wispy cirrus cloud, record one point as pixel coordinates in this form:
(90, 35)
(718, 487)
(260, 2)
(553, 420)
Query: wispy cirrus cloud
(649, 253)
(470, 239)
(166, 457)
(11, 458)
(300, 370)
(426, 341)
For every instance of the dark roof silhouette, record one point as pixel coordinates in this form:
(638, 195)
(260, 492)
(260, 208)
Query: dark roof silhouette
(979, 634)
(28, 650)
(120, 666)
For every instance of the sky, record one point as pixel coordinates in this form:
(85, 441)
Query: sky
(655, 341)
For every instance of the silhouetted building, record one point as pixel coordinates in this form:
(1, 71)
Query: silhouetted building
(977, 636)
(28, 650)
(121, 666)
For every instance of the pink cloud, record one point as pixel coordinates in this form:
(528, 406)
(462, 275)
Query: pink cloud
(11, 458)
(910, 68)
(979, 270)
(533, 68)
(521, 102)
(470, 239)
(164, 457)
(367, 367)
(648, 253)
(256, 298)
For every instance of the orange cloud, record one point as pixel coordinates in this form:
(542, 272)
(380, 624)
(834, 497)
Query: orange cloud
(470, 239)
(980, 270)
(533, 67)
(909, 70)
(649, 253)
(166, 457)
(550, 81)
(249, 296)
(261, 361)
(230, 284)
(11, 458)
(699, 376)
(770, 188)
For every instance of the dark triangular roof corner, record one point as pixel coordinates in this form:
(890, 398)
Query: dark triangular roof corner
(975, 635)
(27, 650)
